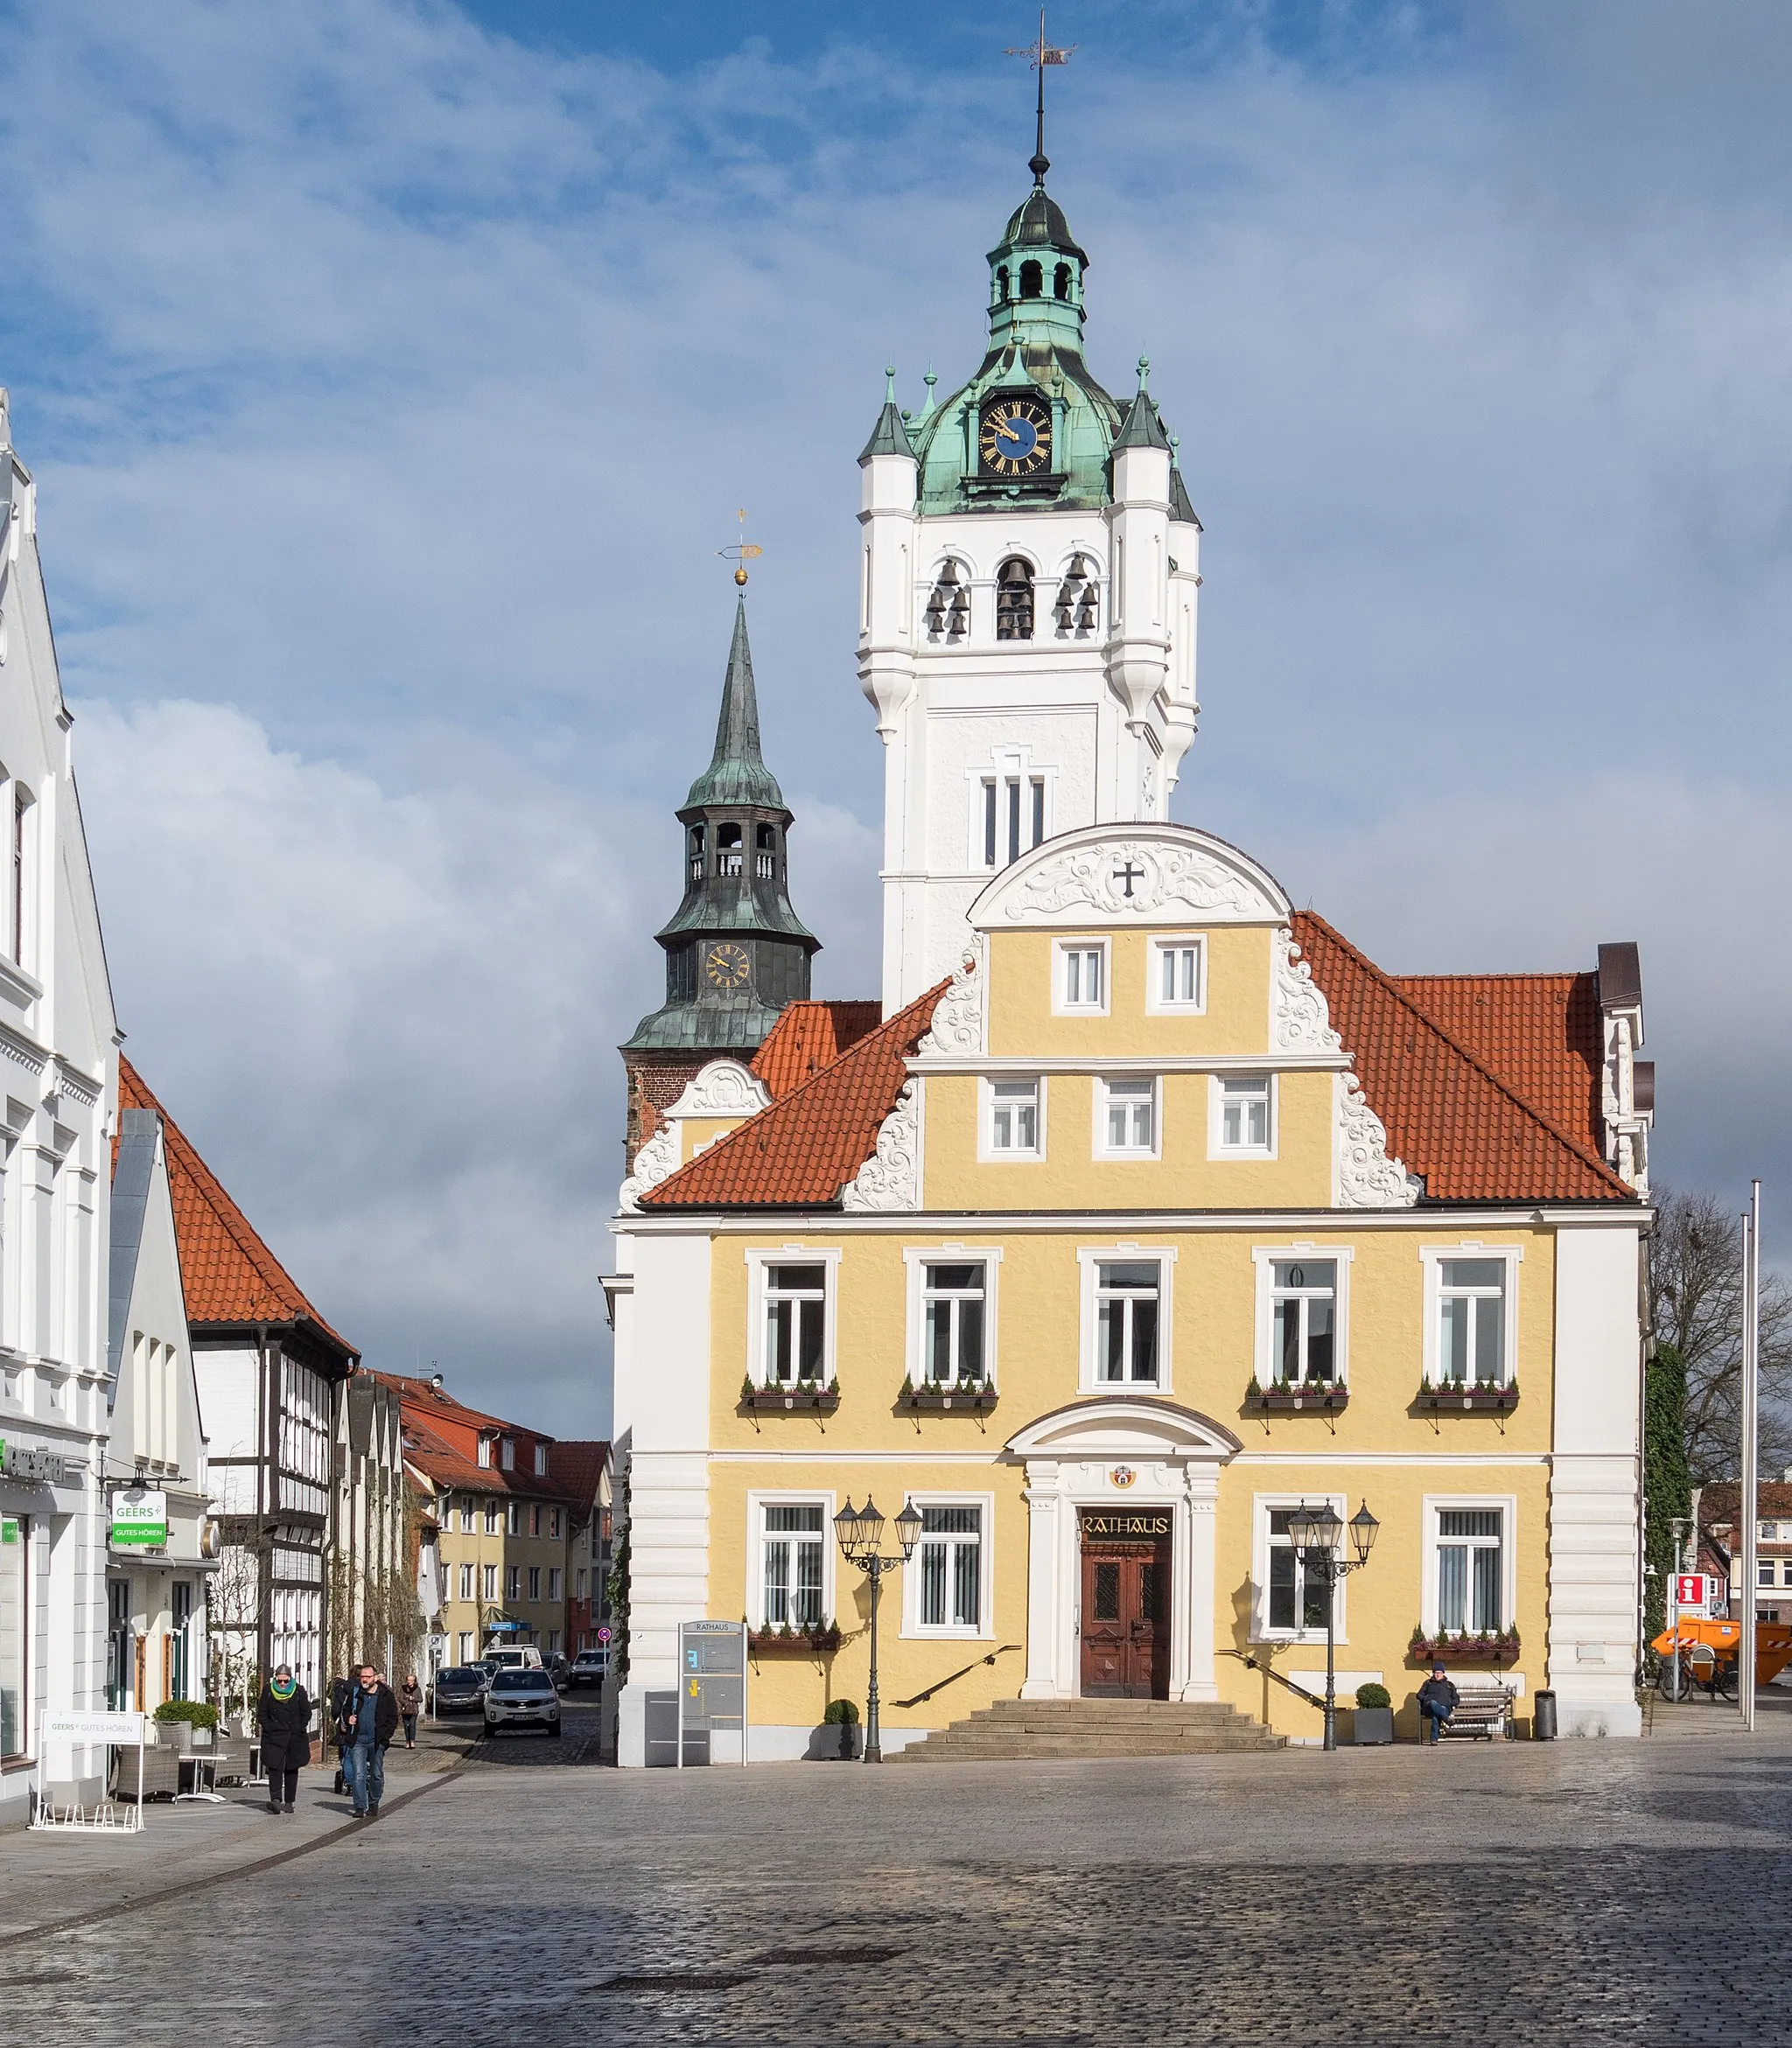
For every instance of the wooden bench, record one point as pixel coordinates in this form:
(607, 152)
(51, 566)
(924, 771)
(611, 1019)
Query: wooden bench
(1484, 1708)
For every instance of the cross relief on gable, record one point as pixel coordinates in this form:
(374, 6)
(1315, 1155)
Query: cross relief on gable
(1138, 878)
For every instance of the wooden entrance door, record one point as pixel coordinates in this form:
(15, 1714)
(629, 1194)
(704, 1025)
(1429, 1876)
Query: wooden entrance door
(1126, 1606)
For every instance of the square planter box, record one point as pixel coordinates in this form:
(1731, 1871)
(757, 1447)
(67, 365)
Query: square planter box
(1373, 1724)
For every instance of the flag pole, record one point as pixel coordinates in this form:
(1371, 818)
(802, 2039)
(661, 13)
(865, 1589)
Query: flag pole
(1750, 1457)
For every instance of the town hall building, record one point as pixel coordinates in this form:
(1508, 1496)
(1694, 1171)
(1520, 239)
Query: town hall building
(1141, 1213)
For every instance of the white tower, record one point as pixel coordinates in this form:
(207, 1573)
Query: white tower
(1028, 605)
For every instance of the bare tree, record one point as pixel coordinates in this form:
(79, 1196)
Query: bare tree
(1695, 1270)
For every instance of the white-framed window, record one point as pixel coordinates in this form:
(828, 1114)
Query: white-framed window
(541, 1461)
(1242, 1116)
(1008, 805)
(488, 1580)
(791, 1332)
(554, 1523)
(1177, 980)
(951, 1313)
(1126, 1318)
(1126, 1116)
(485, 1451)
(578, 1583)
(946, 1587)
(1471, 1314)
(491, 1518)
(507, 1458)
(535, 1583)
(1470, 1579)
(791, 1567)
(535, 1519)
(468, 1507)
(553, 1641)
(1079, 977)
(513, 1518)
(553, 1581)
(513, 1581)
(465, 1641)
(1291, 1603)
(1303, 1300)
(466, 1582)
(1014, 1117)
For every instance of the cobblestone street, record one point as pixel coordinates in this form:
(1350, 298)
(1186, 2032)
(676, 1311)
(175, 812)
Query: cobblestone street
(1575, 1893)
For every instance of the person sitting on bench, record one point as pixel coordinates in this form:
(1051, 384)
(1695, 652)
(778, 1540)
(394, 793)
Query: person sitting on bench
(1438, 1700)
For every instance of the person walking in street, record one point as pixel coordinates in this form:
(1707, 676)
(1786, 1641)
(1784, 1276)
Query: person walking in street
(411, 1704)
(1438, 1700)
(341, 1691)
(372, 1721)
(285, 1715)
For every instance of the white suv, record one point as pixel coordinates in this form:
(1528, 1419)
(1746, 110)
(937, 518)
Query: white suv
(523, 1699)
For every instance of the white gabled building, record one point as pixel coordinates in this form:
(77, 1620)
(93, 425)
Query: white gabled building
(58, 1073)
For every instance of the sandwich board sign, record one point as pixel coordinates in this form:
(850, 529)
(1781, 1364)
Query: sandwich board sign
(78, 1729)
(712, 1686)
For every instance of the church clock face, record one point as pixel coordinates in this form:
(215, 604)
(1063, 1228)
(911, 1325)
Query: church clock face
(1015, 439)
(727, 967)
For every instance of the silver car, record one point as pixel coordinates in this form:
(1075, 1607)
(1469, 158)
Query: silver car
(523, 1699)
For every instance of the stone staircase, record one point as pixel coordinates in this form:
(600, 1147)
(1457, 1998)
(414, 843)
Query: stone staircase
(1092, 1728)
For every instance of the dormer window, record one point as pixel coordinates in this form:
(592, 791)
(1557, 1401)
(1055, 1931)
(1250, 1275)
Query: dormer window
(1078, 608)
(1060, 281)
(541, 1461)
(507, 1457)
(486, 1450)
(728, 849)
(765, 859)
(1014, 600)
(1033, 280)
(948, 606)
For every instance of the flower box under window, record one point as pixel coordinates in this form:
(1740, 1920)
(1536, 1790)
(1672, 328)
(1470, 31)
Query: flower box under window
(1308, 1397)
(1451, 1400)
(960, 1396)
(809, 1395)
(802, 1642)
(1485, 1649)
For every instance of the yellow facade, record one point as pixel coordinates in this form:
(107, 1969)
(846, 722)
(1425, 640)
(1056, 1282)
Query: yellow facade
(1217, 1223)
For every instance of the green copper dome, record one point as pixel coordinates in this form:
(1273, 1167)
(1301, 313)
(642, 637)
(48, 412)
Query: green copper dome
(1036, 315)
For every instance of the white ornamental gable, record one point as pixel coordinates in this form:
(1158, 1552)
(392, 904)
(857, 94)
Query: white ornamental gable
(959, 1026)
(891, 1178)
(1300, 1020)
(1170, 875)
(1367, 1178)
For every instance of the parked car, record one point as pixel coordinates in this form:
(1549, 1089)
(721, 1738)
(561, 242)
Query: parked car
(460, 1689)
(557, 1668)
(523, 1699)
(525, 1657)
(589, 1667)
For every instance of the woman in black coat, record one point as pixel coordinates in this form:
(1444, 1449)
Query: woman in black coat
(285, 1718)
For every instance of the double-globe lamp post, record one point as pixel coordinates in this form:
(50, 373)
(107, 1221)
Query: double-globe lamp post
(1314, 1532)
(860, 1531)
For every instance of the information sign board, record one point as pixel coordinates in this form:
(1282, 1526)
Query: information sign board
(123, 1729)
(1691, 1590)
(712, 1683)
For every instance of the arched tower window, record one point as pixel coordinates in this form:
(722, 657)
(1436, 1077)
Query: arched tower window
(1033, 279)
(699, 841)
(727, 849)
(1060, 281)
(1002, 283)
(1014, 600)
(948, 606)
(765, 859)
(1078, 608)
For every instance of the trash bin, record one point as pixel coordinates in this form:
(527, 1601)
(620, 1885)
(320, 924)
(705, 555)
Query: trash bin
(1543, 1718)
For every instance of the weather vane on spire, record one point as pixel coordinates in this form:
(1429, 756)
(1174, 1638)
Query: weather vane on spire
(742, 552)
(1039, 54)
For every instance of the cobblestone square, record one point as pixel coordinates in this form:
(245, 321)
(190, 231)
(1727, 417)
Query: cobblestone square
(1576, 1892)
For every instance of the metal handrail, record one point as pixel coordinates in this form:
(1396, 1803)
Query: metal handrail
(941, 1685)
(1287, 1684)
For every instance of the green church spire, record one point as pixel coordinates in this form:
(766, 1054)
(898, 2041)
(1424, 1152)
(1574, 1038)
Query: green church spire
(737, 772)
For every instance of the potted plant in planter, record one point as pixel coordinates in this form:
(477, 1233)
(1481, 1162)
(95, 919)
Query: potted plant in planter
(843, 1715)
(1375, 1714)
(190, 1723)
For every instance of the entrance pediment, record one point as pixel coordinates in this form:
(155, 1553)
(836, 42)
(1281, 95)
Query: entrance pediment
(1124, 1427)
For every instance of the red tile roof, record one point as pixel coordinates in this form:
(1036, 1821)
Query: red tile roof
(229, 1274)
(1449, 1117)
(1485, 1084)
(441, 1439)
(801, 1151)
(1540, 1034)
(576, 1468)
(810, 1036)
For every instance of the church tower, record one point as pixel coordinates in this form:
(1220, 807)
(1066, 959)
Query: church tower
(736, 952)
(1027, 609)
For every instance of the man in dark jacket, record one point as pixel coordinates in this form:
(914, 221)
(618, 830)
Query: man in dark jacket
(372, 1721)
(1438, 1700)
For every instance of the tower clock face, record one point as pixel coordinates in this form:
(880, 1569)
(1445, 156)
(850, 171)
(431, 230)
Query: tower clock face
(1016, 436)
(727, 967)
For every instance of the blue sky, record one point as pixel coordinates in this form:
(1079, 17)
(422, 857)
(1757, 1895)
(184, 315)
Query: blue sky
(392, 373)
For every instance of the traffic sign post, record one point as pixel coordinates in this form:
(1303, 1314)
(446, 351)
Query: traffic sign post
(711, 1683)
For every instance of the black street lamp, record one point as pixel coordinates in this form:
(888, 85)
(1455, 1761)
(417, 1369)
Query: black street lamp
(1315, 1532)
(860, 1531)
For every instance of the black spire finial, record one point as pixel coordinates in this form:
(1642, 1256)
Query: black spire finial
(1039, 54)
